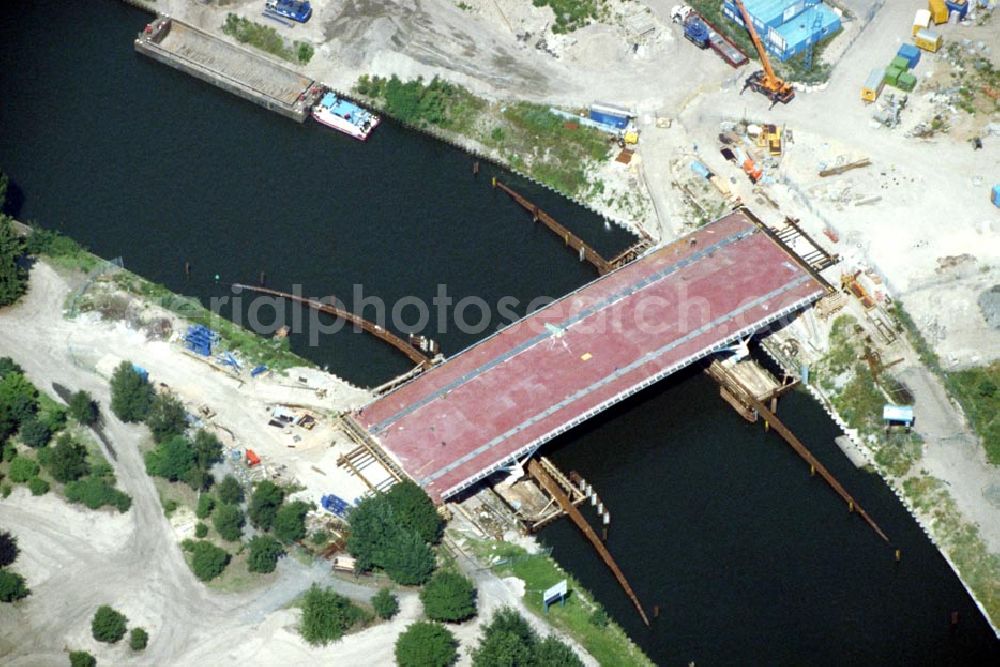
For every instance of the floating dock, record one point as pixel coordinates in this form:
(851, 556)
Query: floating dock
(233, 68)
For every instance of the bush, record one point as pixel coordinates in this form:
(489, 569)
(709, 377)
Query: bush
(108, 625)
(206, 503)
(264, 504)
(138, 639)
(553, 653)
(169, 507)
(509, 640)
(9, 451)
(385, 604)
(35, 432)
(426, 644)
(38, 486)
(264, 553)
(290, 521)
(207, 560)
(22, 469)
(228, 521)
(131, 394)
(449, 596)
(67, 460)
(166, 417)
(97, 492)
(200, 530)
(12, 586)
(82, 659)
(229, 491)
(326, 616)
(8, 549)
(83, 408)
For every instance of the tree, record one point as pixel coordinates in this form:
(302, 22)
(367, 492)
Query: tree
(228, 521)
(207, 560)
(138, 638)
(67, 460)
(264, 504)
(206, 503)
(553, 653)
(12, 586)
(207, 448)
(200, 530)
(326, 616)
(509, 640)
(385, 604)
(13, 277)
(290, 521)
(264, 553)
(449, 596)
(108, 625)
(426, 644)
(230, 491)
(171, 459)
(378, 540)
(8, 549)
(409, 560)
(35, 432)
(166, 417)
(131, 393)
(82, 659)
(18, 401)
(22, 469)
(414, 509)
(83, 408)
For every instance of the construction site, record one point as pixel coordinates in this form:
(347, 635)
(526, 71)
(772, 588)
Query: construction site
(785, 222)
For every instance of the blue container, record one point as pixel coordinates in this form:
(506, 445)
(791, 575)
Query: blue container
(144, 374)
(614, 120)
(995, 198)
(960, 7)
(910, 53)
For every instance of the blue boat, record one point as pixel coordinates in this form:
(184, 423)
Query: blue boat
(292, 9)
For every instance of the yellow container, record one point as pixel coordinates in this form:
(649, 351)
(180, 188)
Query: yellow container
(631, 137)
(939, 11)
(873, 85)
(928, 40)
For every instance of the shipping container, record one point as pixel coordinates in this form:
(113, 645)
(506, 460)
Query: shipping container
(928, 40)
(906, 81)
(939, 11)
(921, 20)
(900, 62)
(911, 53)
(609, 114)
(873, 85)
(892, 75)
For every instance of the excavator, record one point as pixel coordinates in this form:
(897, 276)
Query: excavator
(764, 81)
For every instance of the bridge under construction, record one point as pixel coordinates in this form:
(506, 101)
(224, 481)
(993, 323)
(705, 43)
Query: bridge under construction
(498, 401)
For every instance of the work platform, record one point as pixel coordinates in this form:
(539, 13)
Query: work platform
(238, 70)
(496, 402)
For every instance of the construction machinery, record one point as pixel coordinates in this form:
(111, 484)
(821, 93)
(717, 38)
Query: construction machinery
(770, 138)
(764, 81)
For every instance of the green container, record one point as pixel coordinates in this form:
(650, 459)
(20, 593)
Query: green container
(900, 62)
(906, 81)
(892, 75)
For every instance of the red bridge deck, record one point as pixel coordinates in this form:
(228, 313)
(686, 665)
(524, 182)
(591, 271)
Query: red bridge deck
(503, 397)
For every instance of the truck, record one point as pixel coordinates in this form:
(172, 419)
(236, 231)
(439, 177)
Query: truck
(704, 35)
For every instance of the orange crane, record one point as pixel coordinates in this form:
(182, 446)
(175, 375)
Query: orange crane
(764, 81)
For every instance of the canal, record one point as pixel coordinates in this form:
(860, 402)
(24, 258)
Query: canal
(749, 559)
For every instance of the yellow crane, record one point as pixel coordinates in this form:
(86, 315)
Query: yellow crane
(764, 81)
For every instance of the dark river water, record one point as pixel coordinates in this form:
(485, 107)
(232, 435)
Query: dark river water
(750, 560)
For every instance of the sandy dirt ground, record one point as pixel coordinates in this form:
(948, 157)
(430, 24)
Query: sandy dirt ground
(74, 559)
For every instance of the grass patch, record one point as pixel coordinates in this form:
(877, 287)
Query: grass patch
(928, 357)
(572, 14)
(236, 578)
(978, 390)
(60, 250)
(860, 401)
(897, 453)
(266, 39)
(980, 569)
(527, 136)
(581, 617)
